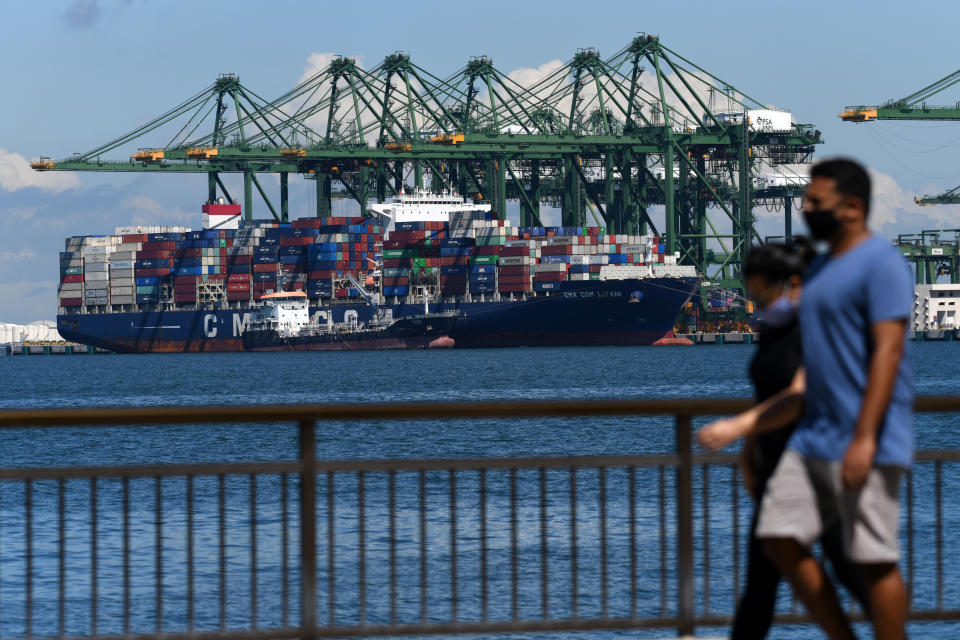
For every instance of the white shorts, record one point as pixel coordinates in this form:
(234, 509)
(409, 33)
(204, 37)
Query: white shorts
(804, 496)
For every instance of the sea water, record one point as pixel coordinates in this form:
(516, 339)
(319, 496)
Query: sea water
(391, 376)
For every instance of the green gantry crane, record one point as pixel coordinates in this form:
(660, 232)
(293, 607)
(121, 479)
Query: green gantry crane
(914, 107)
(933, 253)
(606, 137)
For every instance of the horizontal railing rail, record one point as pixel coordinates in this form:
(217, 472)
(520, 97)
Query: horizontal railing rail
(346, 548)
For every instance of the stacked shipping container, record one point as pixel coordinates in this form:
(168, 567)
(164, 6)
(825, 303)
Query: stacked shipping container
(474, 253)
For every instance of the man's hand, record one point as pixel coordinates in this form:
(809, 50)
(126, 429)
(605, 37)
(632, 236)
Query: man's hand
(718, 434)
(857, 462)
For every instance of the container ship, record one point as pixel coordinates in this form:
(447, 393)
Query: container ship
(171, 289)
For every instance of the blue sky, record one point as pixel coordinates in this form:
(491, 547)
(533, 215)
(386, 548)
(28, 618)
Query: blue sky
(77, 73)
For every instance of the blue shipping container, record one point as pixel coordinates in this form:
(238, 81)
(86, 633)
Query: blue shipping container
(148, 281)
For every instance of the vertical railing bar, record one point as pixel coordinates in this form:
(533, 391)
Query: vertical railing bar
(483, 545)
(191, 609)
(308, 529)
(61, 556)
(158, 549)
(362, 546)
(392, 508)
(910, 567)
(544, 576)
(422, 493)
(705, 489)
(662, 482)
(938, 488)
(454, 598)
(125, 482)
(685, 610)
(514, 559)
(735, 499)
(94, 558)
(331, 549)
(28, 582)
(285, 553)
(253, 551)
(604, 604)
(632, 498)
(574, 586)
(222, 547)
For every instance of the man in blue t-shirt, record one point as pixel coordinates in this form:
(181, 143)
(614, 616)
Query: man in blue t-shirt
(848, 453)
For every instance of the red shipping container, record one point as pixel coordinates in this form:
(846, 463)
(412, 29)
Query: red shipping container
(297, 286)
(293, 268)
(184, 298)
(238, 286)
(238, 295)
(270, 267)
(71, 302)
(514, 279)
(159, 245)
(296, 242)
(514, 269)
(134, 237)
(147, 273)
(514, 251)
(489, 250)
(154, 254)
(72, 278)
(232, 260)
(453, 289)
(185, 279)
(187, 253)
(550, 276)
(306, 223)
(515, 288)
(322, 275)
(396, 282)
(239, 277)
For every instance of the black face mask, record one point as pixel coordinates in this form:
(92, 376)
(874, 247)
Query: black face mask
(822, 223)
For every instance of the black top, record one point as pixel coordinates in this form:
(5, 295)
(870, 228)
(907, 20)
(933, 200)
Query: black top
(776, 361)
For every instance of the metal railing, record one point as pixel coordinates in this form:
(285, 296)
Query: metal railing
(337, 548)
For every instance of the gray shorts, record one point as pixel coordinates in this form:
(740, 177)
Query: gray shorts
(805, 496)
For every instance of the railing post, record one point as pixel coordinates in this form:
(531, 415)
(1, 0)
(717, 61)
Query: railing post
(308, 530)
(685, 613)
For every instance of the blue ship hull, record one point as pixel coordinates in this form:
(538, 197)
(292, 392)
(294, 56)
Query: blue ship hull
(613, 312)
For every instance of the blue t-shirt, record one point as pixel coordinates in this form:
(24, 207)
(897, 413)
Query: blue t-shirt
(842, 298)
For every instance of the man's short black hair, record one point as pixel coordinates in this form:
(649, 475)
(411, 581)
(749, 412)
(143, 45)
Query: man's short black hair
(850, 176)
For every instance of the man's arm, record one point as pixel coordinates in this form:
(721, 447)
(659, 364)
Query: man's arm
(882, 374)
(775, 412)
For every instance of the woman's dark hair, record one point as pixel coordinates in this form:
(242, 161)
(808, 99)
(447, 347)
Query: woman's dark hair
(777, 261)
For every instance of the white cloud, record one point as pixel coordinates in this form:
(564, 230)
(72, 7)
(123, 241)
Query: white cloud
(19, 256)
(529, 76)
(158, 213)
(15, 173)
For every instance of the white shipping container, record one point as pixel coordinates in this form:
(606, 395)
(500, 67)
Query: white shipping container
(121, 276)
(96, 276)
(93, 267)
(94, 293)
(122, 291)
(553, 267)
(577, 277)
(221, 222)
(121, 265)
(515, 260)
(122, 300)
(623, 272)
(70, 286)
(130, 247)
(632, 248)
(585, 259)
